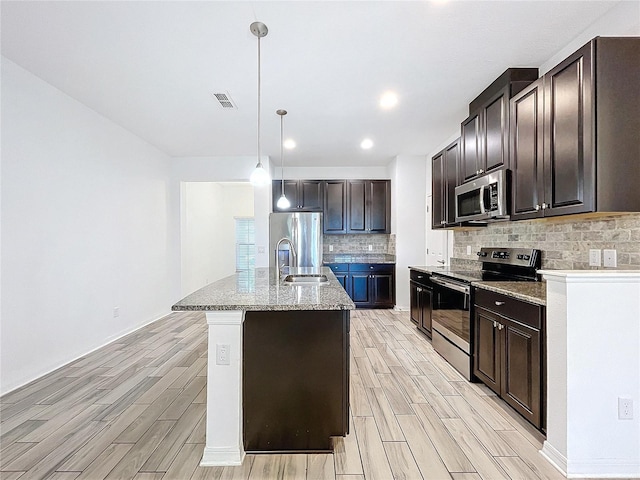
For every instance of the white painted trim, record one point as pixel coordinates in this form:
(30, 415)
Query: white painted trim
(554, 457)
(224, 317)
(400, 309)
(108, 341)
(591, 276)
(218, 457)
(224, 444)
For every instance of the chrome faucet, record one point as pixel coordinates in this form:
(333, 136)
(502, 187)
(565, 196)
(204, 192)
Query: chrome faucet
(292, 255)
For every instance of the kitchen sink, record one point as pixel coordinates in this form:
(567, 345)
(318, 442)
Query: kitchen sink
(306, 279)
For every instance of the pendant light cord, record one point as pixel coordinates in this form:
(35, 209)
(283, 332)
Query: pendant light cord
(282, 152)
(259, 159)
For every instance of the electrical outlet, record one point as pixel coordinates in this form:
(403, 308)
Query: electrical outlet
(468, 249)
(116, 312)
(222, 354)
(625, 408)
(370, 247)
(260, 249)
(331, 248)
(594, 257)
(610, 258)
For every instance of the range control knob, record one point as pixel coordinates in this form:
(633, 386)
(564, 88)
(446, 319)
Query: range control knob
(520, 256)
(527, 257)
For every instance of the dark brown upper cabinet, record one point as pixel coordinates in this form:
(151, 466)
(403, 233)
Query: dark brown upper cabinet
(484, 135)
(368, 206)
(304, 195)
(444, 179)
(335, 207)
(574, 134)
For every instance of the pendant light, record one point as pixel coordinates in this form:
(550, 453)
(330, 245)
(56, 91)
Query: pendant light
(259, 176)
(283, 202)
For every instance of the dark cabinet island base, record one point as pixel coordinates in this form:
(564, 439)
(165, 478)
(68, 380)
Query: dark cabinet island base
(295, 380)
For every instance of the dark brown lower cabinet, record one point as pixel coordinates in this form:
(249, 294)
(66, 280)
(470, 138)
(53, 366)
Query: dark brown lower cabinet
(295, 380)
(370, 285)
(508, 352)
(420, 300)
(373, 285)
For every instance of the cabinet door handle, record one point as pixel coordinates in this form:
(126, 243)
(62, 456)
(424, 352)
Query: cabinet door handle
(499, 303)
(537, 207)
(481, 171)
(544, 206)
(500, 326)
(495, 324)
(420, 276)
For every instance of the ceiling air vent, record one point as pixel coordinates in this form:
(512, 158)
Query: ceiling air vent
(224, 100)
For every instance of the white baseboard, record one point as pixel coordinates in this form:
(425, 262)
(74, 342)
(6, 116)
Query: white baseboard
(400, 309)
(554, 457)
(77, 356)
(599, 468)
(222, 457)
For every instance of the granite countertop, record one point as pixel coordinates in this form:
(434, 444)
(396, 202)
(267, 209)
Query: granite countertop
(259, 289)
(358, 258)
(532, 292)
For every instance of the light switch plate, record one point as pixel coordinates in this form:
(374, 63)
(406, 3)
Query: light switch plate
(594, 257)
(610, 258)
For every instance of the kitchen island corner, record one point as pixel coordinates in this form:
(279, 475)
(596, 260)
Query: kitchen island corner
(278, 364)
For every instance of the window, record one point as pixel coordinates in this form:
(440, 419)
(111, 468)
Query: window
(245, 244)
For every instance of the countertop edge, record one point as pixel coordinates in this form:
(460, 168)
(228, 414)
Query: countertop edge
(510, 292)
(267, 295)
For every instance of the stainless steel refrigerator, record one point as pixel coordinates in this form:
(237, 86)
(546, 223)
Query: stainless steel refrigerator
(304, 230)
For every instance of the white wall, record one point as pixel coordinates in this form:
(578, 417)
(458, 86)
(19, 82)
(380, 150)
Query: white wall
(334, 173)
(622, 20)
(588, 372)
(408, 189)
(85, 228)
(225, 169)
(208, 230)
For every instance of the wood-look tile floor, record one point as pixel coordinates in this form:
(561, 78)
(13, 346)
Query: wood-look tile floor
(135, 409)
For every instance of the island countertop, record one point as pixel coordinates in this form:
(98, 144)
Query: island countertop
(260, 289)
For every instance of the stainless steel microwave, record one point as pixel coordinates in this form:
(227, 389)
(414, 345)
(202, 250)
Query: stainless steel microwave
(485, 198)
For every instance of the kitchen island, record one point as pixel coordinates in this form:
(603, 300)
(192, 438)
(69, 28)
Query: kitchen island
(278, 363)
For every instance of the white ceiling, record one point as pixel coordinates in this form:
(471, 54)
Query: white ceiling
(152, 67)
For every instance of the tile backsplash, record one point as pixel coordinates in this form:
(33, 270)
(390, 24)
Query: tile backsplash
(380, 243)
(564, 241)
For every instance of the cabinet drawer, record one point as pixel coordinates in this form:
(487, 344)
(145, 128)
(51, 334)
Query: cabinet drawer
(526, 313)
(418, 277)
(371, 267)
(338, 267)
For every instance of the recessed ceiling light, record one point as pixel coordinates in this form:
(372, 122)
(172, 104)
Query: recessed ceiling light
(389, 100)
(289, 144)
(366, 144)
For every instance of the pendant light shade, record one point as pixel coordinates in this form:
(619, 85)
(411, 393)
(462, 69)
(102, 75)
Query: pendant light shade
(259, 176)
(283, 202)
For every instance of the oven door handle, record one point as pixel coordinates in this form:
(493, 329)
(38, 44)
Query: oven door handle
(452, 286)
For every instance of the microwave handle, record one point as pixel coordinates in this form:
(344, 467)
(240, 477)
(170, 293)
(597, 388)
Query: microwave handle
(482, 209)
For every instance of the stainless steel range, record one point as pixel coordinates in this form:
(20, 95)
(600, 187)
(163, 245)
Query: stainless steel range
(451, 312)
